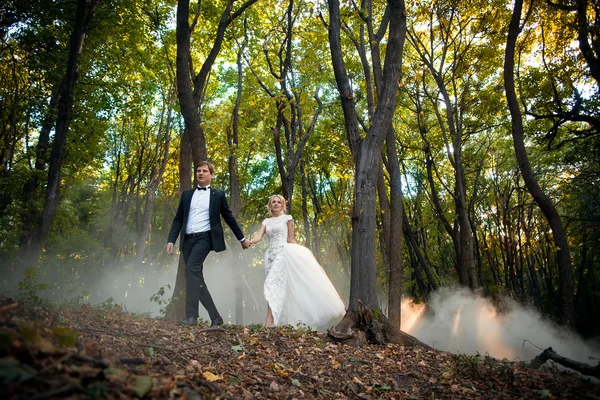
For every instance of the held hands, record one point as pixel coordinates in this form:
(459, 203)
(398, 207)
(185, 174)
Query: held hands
(169, 249)
(246, 243)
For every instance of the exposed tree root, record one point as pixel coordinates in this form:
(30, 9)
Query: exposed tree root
(370, 326)
(580, 367)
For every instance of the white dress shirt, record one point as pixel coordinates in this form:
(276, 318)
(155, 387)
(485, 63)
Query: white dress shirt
(198, 217)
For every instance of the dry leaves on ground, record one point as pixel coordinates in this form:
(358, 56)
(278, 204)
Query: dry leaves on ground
(85, 352)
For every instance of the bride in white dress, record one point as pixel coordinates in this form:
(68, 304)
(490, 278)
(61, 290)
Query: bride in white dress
(296, 287)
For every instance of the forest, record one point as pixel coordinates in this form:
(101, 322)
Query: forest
(420, 145)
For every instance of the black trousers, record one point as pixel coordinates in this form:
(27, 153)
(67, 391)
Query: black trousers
(195, 250)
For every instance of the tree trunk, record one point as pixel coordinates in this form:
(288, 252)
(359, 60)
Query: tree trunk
(396, 266)
(176, 309)
(155, 179)
(463, 276)
(412, 242)
(367, 155)
(63, 120)
(451, 127)
(305, 216)
(563, 258)
(190, 94)
(30, 212)
(290, 110)
(185, 92)
(235, 197)
(372, 328)
(585, 31)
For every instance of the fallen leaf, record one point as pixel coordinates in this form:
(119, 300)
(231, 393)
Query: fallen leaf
(142, 386)
(356, 380)
(237, 348)
(209, 376)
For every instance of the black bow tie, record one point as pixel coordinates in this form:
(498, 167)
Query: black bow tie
(202, 188)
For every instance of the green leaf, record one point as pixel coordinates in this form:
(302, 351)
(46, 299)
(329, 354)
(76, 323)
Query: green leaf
(113, 371)
(97, 390)
(544, 393)
(237, 348)
(66, 336)
(142, 386)
(295, 382)
(233, 381)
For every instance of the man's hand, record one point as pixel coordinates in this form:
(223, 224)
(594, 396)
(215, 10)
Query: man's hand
(169, 249)
(246, 244)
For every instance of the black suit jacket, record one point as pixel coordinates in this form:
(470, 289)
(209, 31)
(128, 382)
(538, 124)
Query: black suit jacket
(218, 207)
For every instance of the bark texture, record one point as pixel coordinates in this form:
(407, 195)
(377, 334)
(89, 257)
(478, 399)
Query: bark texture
(367, 152)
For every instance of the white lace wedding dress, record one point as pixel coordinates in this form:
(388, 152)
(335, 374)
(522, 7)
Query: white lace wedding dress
(296, 286)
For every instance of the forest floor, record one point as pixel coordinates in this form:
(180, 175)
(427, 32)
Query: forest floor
(82, 352)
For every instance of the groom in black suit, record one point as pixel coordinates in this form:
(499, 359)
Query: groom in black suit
(197, 221)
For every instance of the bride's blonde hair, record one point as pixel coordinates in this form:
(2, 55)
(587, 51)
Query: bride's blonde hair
(283, 202)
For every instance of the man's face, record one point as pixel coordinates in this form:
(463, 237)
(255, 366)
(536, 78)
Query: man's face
(203, 175)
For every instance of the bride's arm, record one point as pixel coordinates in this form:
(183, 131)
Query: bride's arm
(256, 238)
(291, 231)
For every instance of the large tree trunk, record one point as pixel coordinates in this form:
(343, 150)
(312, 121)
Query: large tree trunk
(185, 91)
(563, 258)
(393, 230)
(83, 18)
(190, 94)
(367, 155)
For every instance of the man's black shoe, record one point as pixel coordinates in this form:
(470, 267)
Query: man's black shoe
(189, 321)
(217, 321)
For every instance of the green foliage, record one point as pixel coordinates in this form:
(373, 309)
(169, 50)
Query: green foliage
(97, 390)
(66, 337)
(303, 328)
(12, 370)
(142, 386)
(159, 298)
(29, 290)
(107, 304)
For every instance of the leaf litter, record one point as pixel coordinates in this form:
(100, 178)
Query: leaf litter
(82, 352)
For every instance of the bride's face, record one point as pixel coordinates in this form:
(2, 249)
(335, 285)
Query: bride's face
(276, 205)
